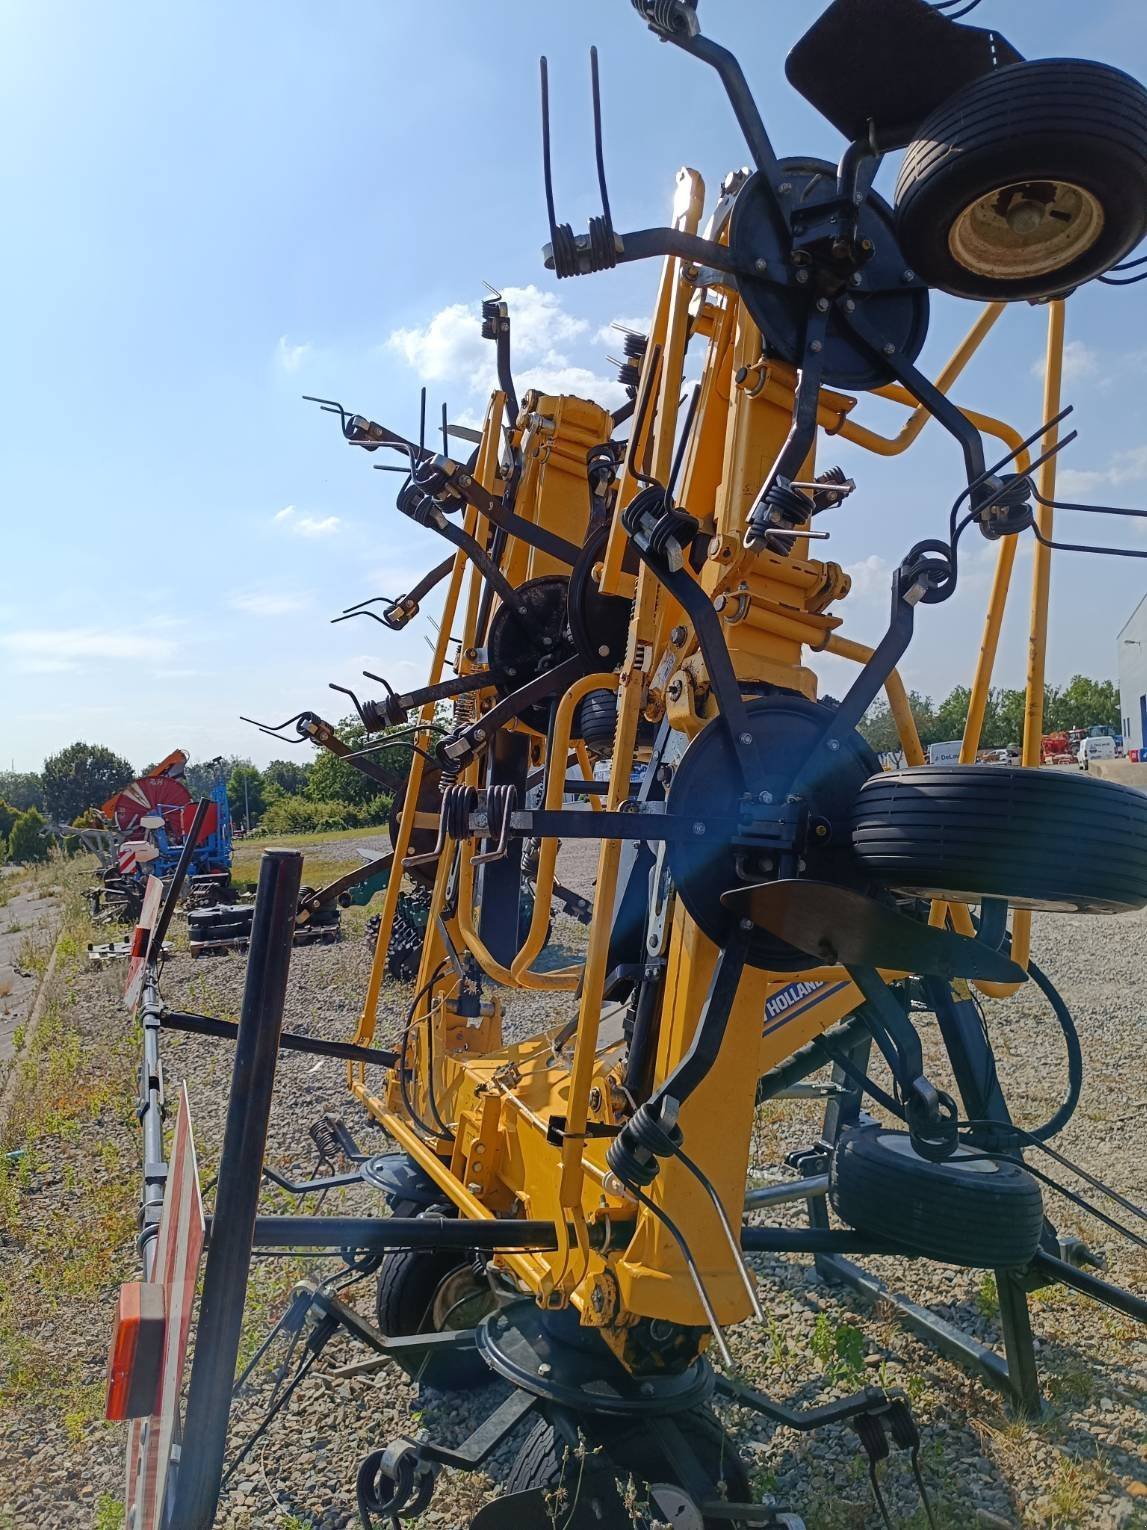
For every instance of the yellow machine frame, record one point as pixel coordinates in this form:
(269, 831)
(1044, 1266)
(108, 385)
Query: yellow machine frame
(616, 1262)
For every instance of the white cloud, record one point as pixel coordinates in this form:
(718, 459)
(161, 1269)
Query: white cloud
(1128, 466)
(450, 348)
(267, 602)
(872, 575)
(306, 525)
(53, 650)
(580, 381)
(1079, 363)
(290, 358)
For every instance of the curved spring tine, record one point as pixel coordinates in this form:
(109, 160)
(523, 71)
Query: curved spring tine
(734, 1243)
(347, 615)
(439, 846)
(1055, 420)
(343, 690)
(639, 421)
(1109, 552)
(371, 600)
(499, 850)
(275, 731)
(595, 91)
(329, 406)
(386, 685)
(1064, 504)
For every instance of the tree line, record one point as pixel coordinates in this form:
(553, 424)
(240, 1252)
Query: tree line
(285, 797)
(1081, 703)
(306, 796)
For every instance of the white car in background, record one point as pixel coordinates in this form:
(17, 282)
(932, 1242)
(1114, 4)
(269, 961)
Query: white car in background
(1102, 748)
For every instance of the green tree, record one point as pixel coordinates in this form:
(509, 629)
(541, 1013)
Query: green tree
(8, 816)
(1010, 710)
(200, 776)
(330, 779)
(245, 794)
(952, 714)
(879, 726)
(290, 776)
(27, 842)
(82, 776)
(1085, 703)
(22, 788)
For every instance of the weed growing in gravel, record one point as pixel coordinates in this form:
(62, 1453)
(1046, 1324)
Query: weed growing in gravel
(109, 1513)
(1073, 1384)
(1071, 1490)
(987, 1297)
(33, 953)
(840, 1349)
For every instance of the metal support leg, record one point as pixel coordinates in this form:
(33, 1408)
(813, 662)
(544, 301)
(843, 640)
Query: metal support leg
(237, 1197)
(1015, 1320)
(842, 1110)
(975, 1070)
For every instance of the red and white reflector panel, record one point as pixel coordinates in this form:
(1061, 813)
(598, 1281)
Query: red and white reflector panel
(136, 1356)
(179, 1248)
(152, 898)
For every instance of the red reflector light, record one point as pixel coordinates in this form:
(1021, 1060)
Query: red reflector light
(139, 940)
(136, 1356)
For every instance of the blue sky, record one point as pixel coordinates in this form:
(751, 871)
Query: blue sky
(210, 210)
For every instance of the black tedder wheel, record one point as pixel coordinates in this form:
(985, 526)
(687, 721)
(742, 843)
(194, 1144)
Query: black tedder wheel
(429, 1290)
(1027, 182)
(966, 1210)
(544, 1460)
(1041, 838)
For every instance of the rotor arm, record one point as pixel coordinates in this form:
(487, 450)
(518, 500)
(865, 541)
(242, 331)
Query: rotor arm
(676, 21)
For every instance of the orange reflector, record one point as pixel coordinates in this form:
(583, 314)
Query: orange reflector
(139, 939)
(136, 1352)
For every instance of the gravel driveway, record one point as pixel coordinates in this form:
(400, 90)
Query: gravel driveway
(1083, 1464)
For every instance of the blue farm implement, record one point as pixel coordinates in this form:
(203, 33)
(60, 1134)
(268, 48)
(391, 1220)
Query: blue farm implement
(147, 824)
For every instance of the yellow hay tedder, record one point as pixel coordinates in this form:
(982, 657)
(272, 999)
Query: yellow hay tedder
(629, 602)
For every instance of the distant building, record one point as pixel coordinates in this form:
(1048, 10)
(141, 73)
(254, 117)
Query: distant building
(1132, 660)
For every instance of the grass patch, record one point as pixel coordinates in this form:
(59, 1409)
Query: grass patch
(1072, 1489)
(67, 1211)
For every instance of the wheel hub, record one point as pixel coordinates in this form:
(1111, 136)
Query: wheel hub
(787, 728)
(1028, 229)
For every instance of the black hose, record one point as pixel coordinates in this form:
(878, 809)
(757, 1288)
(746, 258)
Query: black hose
(1066, 1109)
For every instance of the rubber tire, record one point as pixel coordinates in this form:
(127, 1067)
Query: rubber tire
(407, 1281)
(596, 721)
(539, 1461)
(988, 1215)
(1043, 119)
(1041, 838)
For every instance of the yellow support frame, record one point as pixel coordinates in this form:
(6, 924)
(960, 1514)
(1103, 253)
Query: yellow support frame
(500, 1099)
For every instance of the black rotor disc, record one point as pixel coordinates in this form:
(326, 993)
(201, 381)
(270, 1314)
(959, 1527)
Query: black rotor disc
(521, 647)
(599, 624)
(707, 783)
(897, 306)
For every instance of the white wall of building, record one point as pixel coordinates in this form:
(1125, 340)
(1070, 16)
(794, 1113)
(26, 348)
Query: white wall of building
(1132, 661)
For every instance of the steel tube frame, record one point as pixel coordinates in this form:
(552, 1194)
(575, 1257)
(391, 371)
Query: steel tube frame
(289, 1041)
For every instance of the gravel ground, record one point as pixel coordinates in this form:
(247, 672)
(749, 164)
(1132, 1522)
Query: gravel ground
(1083, 1464)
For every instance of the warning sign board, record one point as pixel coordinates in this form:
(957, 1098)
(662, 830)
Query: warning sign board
(179, 1248)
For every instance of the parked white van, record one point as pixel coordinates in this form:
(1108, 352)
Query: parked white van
(1101, 748)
